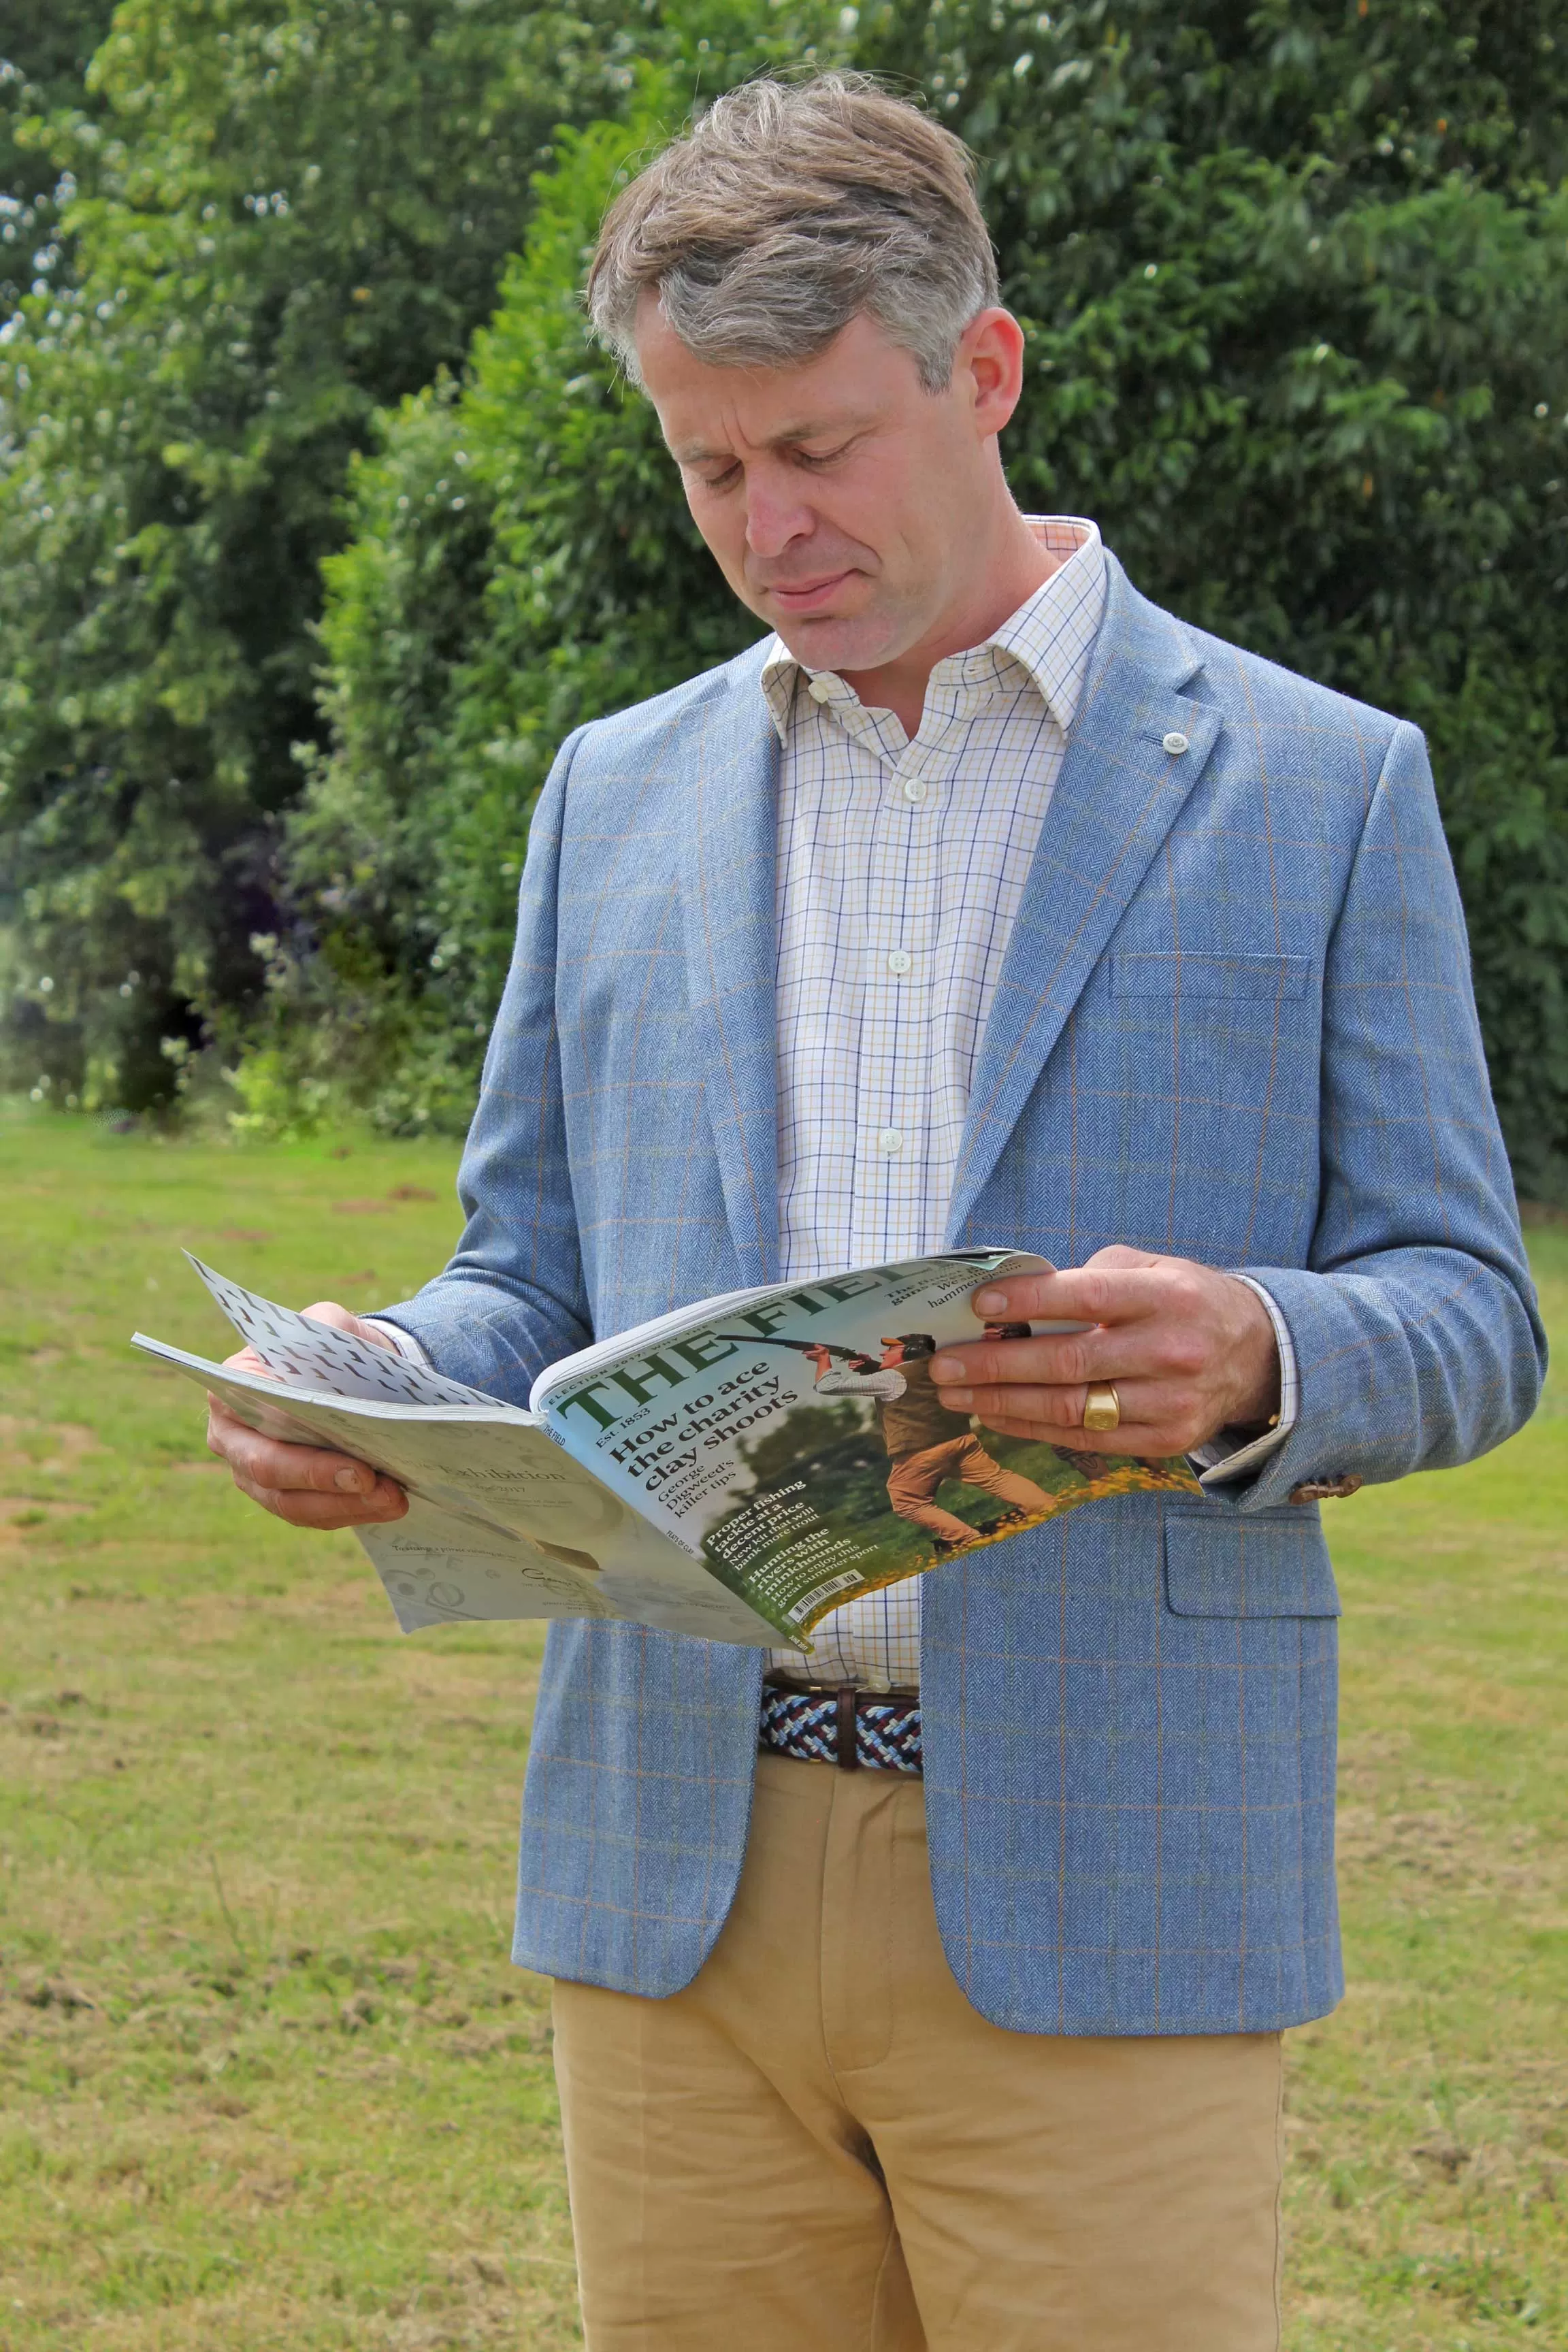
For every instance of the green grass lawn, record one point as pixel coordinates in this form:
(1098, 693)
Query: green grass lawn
(269, 2077)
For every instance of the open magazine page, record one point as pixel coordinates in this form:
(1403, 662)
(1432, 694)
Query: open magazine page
(438, 1568)
(311, 1355)
(502, 1522)
(797, 1438)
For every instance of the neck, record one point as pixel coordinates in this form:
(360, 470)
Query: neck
(1013, 566)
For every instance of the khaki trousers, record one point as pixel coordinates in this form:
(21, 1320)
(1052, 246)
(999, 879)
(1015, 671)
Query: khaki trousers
(820, 2146)
(915, 1477)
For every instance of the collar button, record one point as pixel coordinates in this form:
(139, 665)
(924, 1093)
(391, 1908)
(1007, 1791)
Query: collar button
(1174, 742)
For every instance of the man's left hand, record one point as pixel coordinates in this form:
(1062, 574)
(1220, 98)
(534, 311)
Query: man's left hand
(1190, 1351)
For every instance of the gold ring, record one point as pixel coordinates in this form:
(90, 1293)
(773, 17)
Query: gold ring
(1102, 1406)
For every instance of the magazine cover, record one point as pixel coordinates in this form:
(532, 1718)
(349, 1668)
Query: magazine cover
(798, 1439)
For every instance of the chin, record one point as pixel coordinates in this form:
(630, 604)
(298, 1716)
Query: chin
(833, 644)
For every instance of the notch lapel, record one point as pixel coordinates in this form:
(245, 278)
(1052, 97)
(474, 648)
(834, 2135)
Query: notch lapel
(1116, 798)
(732, 954)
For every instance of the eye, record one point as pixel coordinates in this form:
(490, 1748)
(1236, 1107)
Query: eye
(817, 458)
(723, 478)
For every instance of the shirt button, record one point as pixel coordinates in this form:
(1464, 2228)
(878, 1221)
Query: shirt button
(1175, 743)
(819, 689)
(915, 789)
(900, 959)
(889, 1142)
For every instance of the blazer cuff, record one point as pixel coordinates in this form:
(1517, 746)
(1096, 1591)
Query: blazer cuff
(1233, 1454)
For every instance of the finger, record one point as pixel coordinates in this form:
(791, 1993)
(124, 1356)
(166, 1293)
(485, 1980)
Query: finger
(344, 1318)
(1083, 1294)
(386, 1501)
(1160, 1348)
(1128, 1437)
(1103, 1352)
(275, 1464)
(220, 1416)
(223, 1426)
(1041, 1409)
(1149, 1403)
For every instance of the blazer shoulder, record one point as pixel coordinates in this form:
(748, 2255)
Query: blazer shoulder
(1267, 695)
(636, 736)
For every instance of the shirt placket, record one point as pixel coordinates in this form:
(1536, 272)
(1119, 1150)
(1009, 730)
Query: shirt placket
(894, 1189)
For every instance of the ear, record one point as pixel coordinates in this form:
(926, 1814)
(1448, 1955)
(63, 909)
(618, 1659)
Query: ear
(988, 367)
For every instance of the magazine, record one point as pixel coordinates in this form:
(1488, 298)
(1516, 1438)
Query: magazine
(733, 1470)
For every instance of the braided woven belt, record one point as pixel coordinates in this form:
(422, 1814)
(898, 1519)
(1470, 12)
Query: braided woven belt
(845, 1727)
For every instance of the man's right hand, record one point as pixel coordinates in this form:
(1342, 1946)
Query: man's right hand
(306, 1485)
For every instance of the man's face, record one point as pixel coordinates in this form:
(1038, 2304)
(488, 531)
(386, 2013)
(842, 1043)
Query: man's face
(892, 1354)
(840, 497)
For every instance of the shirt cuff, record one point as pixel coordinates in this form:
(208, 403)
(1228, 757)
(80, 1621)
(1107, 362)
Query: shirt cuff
(407, 1346)
(1233, 1454)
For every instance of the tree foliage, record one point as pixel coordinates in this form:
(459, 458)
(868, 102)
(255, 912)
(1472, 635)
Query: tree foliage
(1298, 314)
(46, 46)
(286, 213)
(518, 564)
(1295, 281)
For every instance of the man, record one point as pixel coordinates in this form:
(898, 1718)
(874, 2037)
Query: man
(928, 1441)
(981, 902)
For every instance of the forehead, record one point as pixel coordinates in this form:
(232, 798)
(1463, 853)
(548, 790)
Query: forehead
(704, 409)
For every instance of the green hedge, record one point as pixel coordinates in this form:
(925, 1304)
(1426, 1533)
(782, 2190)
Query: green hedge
(1295, 279)
(1298, 311)
(277, 217)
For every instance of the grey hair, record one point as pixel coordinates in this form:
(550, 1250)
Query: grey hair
(783, 211)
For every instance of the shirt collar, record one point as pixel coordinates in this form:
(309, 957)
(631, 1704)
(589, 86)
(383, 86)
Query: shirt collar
(1051, 635)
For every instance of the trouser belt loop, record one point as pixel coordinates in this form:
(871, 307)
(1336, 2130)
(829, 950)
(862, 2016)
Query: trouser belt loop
(848, 1746)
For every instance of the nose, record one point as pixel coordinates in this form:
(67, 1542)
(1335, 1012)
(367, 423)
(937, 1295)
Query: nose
(776, 515)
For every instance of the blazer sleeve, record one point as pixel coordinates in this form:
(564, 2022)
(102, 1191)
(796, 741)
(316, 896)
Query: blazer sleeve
(512, 1297)
(1417, 1340)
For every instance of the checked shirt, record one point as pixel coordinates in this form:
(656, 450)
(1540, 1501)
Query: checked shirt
(901, 866)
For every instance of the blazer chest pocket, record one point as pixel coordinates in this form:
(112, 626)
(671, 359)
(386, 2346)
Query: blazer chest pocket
(1267, 1564)
(1226, 979)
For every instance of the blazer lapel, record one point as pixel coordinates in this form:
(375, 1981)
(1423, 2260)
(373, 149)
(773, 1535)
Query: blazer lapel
(732, 954)
(1116, 798)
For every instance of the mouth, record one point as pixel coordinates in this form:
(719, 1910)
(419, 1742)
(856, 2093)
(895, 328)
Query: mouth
(806, 595)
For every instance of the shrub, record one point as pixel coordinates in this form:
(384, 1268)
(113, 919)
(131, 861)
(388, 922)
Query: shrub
(1294, 287)
(280, 216)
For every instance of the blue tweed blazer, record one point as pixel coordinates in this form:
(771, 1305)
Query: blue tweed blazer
(1235, 1023)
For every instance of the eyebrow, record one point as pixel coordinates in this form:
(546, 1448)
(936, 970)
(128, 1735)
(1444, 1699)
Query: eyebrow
(691, 453)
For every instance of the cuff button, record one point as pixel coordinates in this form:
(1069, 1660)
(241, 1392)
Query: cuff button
(1326, 1490)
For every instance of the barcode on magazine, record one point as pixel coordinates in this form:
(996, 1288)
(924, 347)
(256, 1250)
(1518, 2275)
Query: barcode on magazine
(821, 1592)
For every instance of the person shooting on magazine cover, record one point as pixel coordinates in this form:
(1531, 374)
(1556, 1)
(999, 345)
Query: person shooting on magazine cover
(928, 1440)
(979, 903)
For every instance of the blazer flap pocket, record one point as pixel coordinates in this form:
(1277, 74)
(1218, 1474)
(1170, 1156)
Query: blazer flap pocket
(1252, 976)
(1262, 1564)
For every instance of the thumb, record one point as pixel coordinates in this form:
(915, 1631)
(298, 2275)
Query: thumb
(342, 1318)
(1120, 1259)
